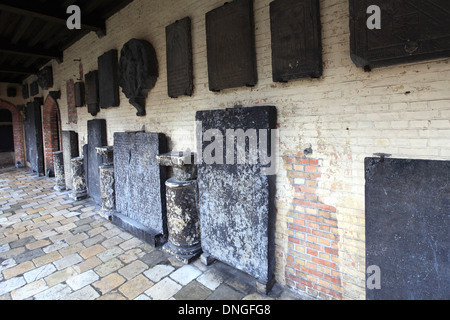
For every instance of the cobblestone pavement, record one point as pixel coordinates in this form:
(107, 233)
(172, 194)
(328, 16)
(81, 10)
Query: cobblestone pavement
(52, 247)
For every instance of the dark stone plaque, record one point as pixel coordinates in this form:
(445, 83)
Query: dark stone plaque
(70, 151)
(407, 227)
(92, 160)
(230, 43)
(411, 30)
(296, 39)
(11, 92)
(34, 88)
(139, 185)
(108, 79)
(179, 58)
(79, 94)
(33, 136)
(45, 78)
(91, 92)
(138, 72)
(236, 201)
(25, 91)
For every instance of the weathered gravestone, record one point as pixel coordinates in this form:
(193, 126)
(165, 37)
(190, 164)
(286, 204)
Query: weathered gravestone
(45, 78)
(230, 42)
(296, 39)
(108, 79)
(139, 185)
(236, 201)
(91, 92)
(70, 151)
(138, 72)
(33, 136)
(34, 88)
(92, 160)
(179, 58)
(407, 226)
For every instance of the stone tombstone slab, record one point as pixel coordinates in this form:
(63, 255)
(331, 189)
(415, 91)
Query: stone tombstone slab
(179, 58)
(230, 42)
(139, 183)
(138, 72)
(92, 160)
(407, 226)
(33, 136)
(236, 201)
(25, 91)
(410, 31)
(108, 80)
(70, 151)
(91, 92)
(296, 39)
(45, 78)
(79, 94)
(34, 88)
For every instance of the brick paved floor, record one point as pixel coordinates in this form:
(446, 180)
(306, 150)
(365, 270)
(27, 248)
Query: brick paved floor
(52, 247)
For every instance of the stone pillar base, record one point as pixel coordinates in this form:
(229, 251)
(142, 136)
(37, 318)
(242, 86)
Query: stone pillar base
(185, 255)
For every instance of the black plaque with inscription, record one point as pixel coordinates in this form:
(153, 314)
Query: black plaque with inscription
(179, 58)
(79, 94)
(296, 39)
(91, 92)
(230, 39)
(108, 79)
(410, 30)
(34, 88)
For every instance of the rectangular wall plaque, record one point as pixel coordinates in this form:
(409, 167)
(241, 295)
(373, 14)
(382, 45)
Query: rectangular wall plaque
(91, 92)
(230, 43)
(108, 79)
(33, 136)
(296, 39)
(79, 94)
(179, 58)
(410, 31)
(34, 88)
(407, 226)
(235, 199)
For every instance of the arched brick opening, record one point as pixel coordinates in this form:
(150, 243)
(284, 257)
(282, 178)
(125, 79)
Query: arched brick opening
(19, 138)
(51, 131)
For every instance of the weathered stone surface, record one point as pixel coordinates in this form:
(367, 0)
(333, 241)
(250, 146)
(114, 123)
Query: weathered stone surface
(70, 151)
(108, 79)
(236, 201)
(34, 88)
(106, 171)
(410, 31)
(407, 226)
(138, 72)
(230, 43)
(183, 164)
(45, 78)
(139, 181)
(25, 91)
(96, 138)
(58, 163)
(79, 94)
(33, 136)
(79, 189)
(91, 93)
(179, 58)
(296, 39)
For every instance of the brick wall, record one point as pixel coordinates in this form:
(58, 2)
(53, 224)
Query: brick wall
(343, 117)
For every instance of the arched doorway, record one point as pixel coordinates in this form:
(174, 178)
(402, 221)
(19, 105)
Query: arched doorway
(17, 131)
(51, 131)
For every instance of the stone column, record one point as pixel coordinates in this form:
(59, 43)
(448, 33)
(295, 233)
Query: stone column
(183, 218)
(106, 173)
(58, 164)
(79, 189)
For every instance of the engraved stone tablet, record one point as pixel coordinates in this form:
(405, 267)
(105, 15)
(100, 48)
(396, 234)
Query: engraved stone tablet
(296, 39)
(409, 31)
(108, 79)
(96, 138)
(70, 151)
(138, 72)
(91, 92)
(231, 46)
(407, 226)
(79, 94)
(236, 200)
(45, 78)
(179, 58)
(33, 136)
(34, 88)
(139, 185)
